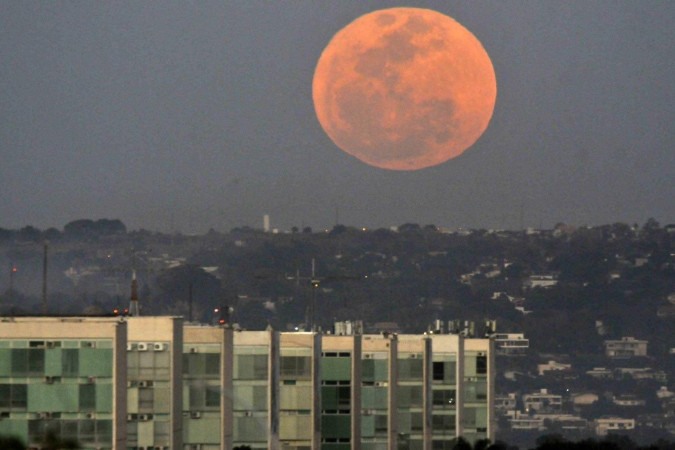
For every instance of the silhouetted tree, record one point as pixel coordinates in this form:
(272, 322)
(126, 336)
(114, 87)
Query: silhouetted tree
(11, 443)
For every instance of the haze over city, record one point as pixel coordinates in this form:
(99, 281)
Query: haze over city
(190, 116)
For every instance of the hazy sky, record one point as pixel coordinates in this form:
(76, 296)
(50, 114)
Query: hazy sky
(175, 115)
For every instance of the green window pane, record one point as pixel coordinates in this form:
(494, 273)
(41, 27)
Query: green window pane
(409, 396)
(336, 426)
(69, 429)
(212, 364)
(87, 396)
(96, 362)
(444, 398)
(251, 367)
(70, 359)
(104, 431)
(53, 397)
(19, 362)
(410, 369)
(295, 367)
(104, 397)
(19, 399)
(4, 395)
(329, 398)
(212, 397)
(336, 369)
(36, 361)
(53, 362)
(5, 362)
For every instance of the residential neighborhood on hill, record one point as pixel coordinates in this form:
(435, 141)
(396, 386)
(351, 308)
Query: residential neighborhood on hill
(581, 317)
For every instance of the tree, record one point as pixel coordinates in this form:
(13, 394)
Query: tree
(11, 443)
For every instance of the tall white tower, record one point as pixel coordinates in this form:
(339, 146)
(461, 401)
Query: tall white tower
(134, 309)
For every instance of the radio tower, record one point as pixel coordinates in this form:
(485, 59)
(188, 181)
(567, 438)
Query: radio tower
(134, 310)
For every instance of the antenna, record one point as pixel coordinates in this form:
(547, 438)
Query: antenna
(44, 278)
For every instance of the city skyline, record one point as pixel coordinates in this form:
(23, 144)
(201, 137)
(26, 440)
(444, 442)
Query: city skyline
(180, 117)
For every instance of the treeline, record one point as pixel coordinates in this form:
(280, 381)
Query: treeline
(81, 229)
(547, 442)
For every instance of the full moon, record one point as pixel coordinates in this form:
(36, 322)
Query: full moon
(404, 88)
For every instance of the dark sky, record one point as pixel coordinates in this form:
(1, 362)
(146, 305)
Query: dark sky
(185, 116)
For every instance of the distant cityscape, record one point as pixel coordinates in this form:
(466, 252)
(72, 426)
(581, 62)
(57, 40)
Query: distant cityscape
(575, 324)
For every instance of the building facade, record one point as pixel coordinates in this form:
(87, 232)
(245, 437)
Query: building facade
(157, 383)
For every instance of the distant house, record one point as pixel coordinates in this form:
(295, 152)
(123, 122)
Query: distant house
(628, 400)
(601, 373)
(551, 366)
(585, 399)
(626, 347)
(511, 343)
(606, 425)
(522, 422)
(541, 281)
(504, 403)
(641, 373)
(543, 402)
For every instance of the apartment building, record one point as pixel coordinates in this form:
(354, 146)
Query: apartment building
(157, 383)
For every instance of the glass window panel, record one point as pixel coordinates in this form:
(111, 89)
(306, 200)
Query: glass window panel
(5, 395)
(481, 364)
(162, 365)
(104, 431)
(87, 397)
(87, 430)
(19, 362)
(145, 400)
(368, 370)
(19, 398)
(212, 364)
(146, 365)
(444, 398)
(212, 398)
(250, 429)
(470, 366)
(336, 369)
(69, 429)
(416, 421)
(252, 367)
(438, 371)
(295, 367)
(410, 369)
(441, 423)
(70, 360)
(409, 396)
(260, 398)
(196, 397)
(96, 362)
(104, 397)
(162, 399)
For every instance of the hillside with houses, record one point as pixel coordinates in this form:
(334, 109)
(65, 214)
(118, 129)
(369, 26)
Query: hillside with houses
(582, 317)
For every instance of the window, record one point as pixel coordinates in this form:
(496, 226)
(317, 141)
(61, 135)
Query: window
(252, 367)
(481, 364)
(295, 367)
(445, 398)
(439, 371)
(70, 362)
(212, 396)
(410, 369)
(87, 397)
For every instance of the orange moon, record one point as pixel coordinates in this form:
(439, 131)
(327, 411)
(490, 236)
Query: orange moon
(404, 88)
